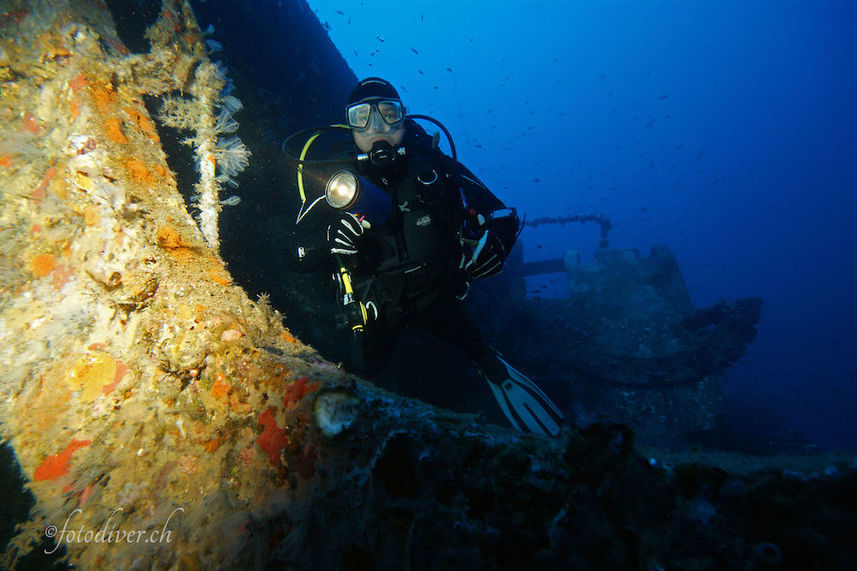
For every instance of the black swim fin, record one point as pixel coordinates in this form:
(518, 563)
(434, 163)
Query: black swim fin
(526, 406)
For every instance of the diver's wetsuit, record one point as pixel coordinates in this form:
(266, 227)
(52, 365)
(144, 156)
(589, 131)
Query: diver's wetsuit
(408, 267)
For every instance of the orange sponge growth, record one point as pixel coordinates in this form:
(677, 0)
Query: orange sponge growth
(121, 371)
(220, 388)
(298, 390)
(273, 440)
(217, 272)
(143, 122)
(114, 131)
(31, 124)
(55, 466)
(138, 171)
(42, 265)
(171, 241)
(104, 96)
(78, 83)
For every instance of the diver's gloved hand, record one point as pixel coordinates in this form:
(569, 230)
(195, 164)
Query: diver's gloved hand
(487, 257)
(342, 235)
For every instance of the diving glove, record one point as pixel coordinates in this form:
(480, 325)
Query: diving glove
(342, 235)
(487, 257)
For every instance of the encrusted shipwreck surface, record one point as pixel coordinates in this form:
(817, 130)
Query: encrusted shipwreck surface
(148, 399)
(136, 380)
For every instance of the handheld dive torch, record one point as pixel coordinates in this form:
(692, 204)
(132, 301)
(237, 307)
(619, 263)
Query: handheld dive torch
(354, 194)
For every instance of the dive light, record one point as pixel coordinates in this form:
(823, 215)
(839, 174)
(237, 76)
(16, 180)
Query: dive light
(342, 190)
(347, 191)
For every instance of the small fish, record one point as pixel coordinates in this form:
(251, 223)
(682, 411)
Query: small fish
(665, 96)
(380, 38)
(537, 180)
(421, 72)
(415, 51)
(340, 12)
(449, 69)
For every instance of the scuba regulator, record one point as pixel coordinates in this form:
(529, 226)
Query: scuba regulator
(381, 155)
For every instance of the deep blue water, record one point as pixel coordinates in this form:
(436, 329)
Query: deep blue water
(727, 130)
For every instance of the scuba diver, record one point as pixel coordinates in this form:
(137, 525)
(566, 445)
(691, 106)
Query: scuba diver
(403, 229)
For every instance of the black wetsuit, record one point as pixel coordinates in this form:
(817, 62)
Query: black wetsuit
(408, 267)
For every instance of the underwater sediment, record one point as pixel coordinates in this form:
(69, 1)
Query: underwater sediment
(148, 398)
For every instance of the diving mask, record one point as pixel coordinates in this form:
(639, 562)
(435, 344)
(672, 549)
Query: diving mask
(359, 114)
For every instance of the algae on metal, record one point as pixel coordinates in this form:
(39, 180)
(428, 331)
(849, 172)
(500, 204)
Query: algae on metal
(136, 378)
